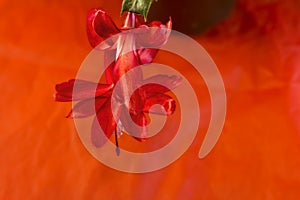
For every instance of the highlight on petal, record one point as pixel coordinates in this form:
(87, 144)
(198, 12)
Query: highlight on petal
(124, 63)
(167, 103)
(84, 89)
(99, 27)
(86, 108)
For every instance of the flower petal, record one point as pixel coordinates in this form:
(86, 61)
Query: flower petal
(167, 103)
(141, 120)
(84, 89)
(107, 123)
(98, 137)
(109, 63)
(86, 108)
(139, 20)
(124, 63)
(154, 35)
(99, 27)
(135, 124)
(159, 84)
(149, 40)
(146, 55)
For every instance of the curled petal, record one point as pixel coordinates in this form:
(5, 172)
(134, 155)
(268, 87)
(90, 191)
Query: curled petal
(159, 84)
(167, 103)
(153, 35)
(84, 89)
(86, 108)
(99, 27)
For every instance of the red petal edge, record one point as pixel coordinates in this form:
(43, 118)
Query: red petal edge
(168, 104)
(99, 26)
(84, 90)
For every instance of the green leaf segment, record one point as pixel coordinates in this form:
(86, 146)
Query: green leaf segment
(137, 6)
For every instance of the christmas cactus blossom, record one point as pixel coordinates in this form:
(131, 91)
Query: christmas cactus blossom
(122, 55)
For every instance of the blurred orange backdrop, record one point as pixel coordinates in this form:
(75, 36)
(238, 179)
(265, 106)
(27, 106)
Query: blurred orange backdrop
(257, 157)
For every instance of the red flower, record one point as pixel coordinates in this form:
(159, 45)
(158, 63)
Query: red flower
(131, 50)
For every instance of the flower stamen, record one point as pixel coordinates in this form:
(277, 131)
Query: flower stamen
(117, 143)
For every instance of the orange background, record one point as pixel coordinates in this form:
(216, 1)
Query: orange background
(257, 157)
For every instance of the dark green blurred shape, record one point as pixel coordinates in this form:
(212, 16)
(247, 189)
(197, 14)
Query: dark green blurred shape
(191, 16)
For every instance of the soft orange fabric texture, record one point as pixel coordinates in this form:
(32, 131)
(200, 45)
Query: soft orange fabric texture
(257, 50)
